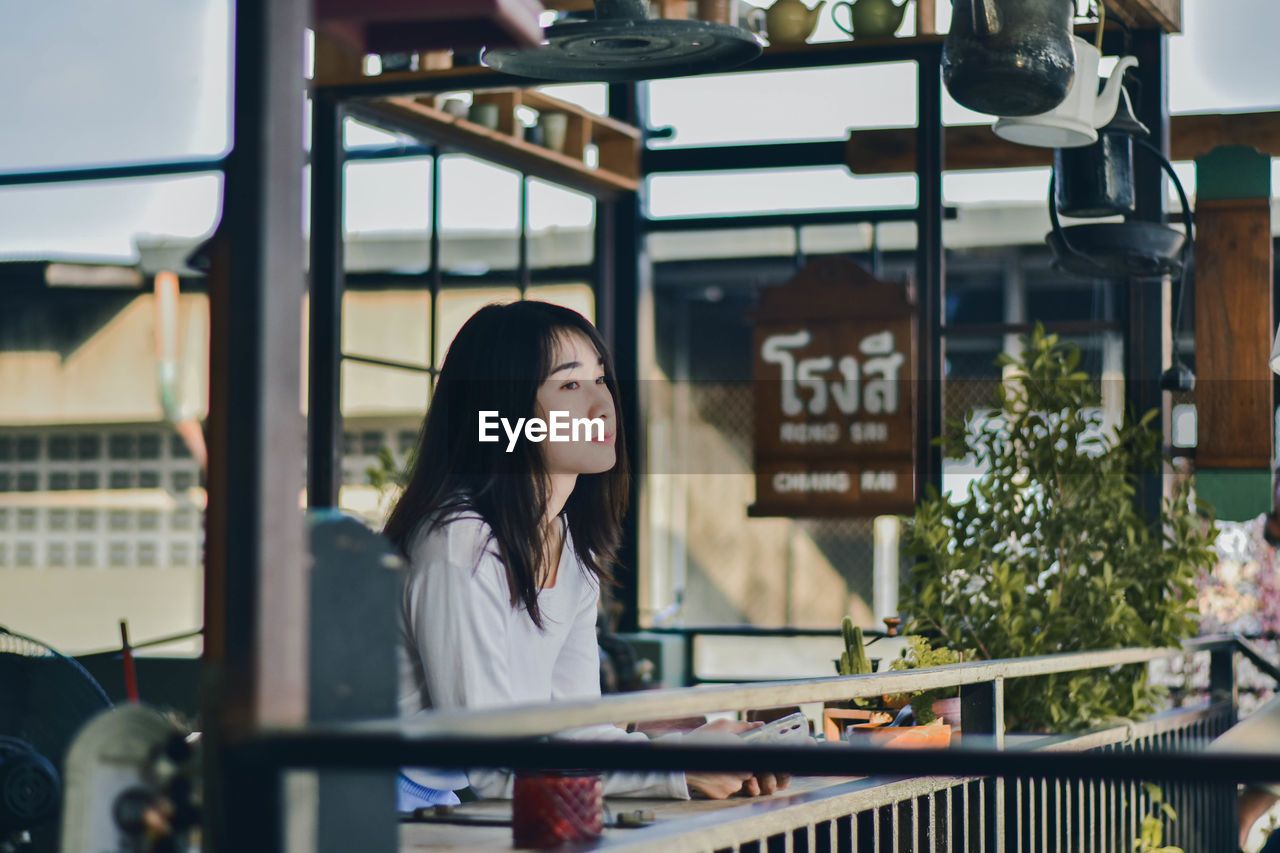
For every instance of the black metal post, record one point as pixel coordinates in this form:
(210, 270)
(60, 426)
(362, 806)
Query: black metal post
(982, 713)
(929, 268)
(324, 355)
(1222, 677)
(1145, 350)
(522, 263)
(437, 274)
(255, 586)
(620, 292)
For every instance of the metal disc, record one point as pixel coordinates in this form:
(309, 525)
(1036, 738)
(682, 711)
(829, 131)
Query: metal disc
(620, 51)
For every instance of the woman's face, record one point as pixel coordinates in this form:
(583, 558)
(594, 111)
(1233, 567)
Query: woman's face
(576, 386)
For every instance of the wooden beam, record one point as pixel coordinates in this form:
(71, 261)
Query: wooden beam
(1149, 14)
(1233, 333)
(974, 146)
(421, 118)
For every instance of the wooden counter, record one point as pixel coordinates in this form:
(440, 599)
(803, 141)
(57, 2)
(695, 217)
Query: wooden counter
(679, 824)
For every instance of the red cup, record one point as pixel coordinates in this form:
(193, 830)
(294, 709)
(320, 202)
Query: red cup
(551, 808)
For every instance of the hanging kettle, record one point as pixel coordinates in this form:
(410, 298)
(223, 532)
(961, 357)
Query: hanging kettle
(1097, 180)
(1009, 57)
(1133, 249)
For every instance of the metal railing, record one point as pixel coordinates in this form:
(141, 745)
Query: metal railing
(994, 792)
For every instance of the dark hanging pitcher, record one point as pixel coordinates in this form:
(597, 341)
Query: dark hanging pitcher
(1009, 57)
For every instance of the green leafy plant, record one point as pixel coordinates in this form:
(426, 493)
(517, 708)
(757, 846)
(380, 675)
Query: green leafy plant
(387, 473)
(1151, 837)
(1048, 552)
(919, 654)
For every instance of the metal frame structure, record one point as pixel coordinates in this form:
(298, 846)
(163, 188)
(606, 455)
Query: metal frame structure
(620, 227)
(994, 793)
(256, 602)
(621, 284)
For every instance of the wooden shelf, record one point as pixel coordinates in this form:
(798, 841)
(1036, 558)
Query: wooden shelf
(617, 144)
(974, 146)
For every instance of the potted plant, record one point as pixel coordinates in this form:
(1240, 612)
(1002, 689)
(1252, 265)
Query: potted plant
(853, 660)
(1047, 552)
(929, 705)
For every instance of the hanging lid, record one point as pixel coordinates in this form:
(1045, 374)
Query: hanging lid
(622, 44)
(1125, 121)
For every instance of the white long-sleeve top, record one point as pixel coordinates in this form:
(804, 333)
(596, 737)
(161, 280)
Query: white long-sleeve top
(465, 645)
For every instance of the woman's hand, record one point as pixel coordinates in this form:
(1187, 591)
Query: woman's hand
(718, 786)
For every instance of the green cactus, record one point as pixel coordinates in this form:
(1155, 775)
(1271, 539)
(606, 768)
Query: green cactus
(853, 660)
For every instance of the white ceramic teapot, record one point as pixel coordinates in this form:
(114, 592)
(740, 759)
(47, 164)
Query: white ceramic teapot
(1076, 120)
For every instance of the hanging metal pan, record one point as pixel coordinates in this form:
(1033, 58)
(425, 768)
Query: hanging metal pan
(622, 45)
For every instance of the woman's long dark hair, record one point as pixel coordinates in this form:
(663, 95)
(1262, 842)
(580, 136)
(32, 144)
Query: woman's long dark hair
(496, 363)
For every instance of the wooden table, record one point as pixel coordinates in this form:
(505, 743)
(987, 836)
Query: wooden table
(679, 825)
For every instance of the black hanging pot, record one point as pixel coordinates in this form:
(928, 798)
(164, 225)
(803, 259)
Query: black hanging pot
(1135, 249)
(1009, 57)
(1097, 180)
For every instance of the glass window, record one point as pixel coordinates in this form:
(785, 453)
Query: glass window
(369, 390)
(589, 96)
(86, 555)
(26, 519)
(147, 554)
(4, 554)
(349, 444)
(478, 197)
(390, 324)
(89, 447)
(120, 480)
(59, 519)
(6, 448)
(406, 440)
(580, 297)
(797, 105)
(122, 445)
(183, 480)
(775, 191)
(25, 555)
(57, 555)
(178, 448)
(86, 519)
(148, 520)
(87, 480)
(149, 446)
(59, 481)
(183, 519)
(115, 52)
(180, 554)
(6, 481)
(28, 481)
(118, 554)
(457, 305)
(28, 448)
(560, 226)
(60, 448)
(148, 479)
(390, 195)
(107, 219)
(4, 518)
(118, 519)
(371, 442)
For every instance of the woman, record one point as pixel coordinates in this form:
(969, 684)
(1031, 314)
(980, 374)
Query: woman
(509, 539)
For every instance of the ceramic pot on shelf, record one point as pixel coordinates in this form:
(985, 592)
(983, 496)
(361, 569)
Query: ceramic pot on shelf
(871, 18)
(791, 21)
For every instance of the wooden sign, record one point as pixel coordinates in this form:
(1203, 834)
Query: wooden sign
(835, 395)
